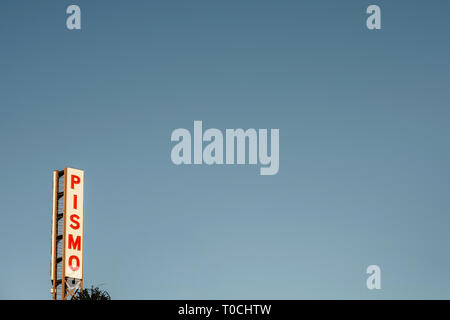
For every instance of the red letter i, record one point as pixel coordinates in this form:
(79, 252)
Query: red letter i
(74, 201)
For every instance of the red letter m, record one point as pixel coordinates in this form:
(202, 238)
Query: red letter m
(76, 245)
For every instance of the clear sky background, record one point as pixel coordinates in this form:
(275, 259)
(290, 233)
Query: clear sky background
(364, 146)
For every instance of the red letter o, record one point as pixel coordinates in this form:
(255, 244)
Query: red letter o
(77, 263)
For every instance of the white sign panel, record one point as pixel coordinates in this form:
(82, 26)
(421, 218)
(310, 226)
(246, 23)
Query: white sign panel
(73, 222)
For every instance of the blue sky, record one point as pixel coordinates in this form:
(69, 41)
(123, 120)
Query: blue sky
(364, 152)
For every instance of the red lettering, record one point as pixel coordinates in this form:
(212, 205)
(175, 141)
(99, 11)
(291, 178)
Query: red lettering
(76, 245)
(77, 224)
(77, 263)
(75, 198)
(74, 180)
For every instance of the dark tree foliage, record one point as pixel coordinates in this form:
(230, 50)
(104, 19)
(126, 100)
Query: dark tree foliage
(94, 293)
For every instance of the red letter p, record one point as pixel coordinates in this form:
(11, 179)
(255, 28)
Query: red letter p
(74, 180)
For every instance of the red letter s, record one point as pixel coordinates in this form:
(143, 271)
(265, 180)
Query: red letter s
(77, 224)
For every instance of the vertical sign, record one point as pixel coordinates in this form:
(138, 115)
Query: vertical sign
(73, 222)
